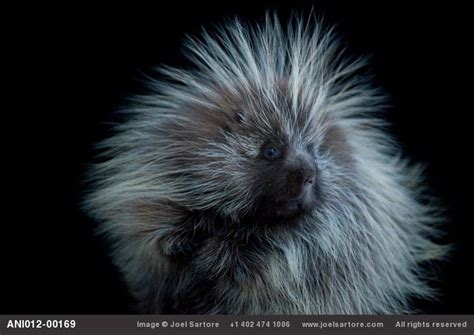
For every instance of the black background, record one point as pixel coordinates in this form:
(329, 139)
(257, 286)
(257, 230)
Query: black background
(73, 66)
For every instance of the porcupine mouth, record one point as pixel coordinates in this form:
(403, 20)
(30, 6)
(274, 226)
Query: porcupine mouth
(287, 208)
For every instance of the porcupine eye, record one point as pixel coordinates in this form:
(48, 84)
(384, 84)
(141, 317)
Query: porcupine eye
(271, 153)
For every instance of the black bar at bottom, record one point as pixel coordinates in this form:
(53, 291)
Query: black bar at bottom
(203, 324)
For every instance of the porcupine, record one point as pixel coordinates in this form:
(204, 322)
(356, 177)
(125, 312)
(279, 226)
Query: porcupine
(262, 180)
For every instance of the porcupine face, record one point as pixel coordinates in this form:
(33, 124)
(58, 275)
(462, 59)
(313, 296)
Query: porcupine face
(253, 154)
(281, 170)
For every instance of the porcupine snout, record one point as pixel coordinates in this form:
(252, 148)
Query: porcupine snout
(301, 180)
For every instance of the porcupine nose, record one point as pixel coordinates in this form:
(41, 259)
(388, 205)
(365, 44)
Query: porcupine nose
(301, 178)
(309, 176)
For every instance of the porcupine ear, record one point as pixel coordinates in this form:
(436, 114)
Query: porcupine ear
(234, 114)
